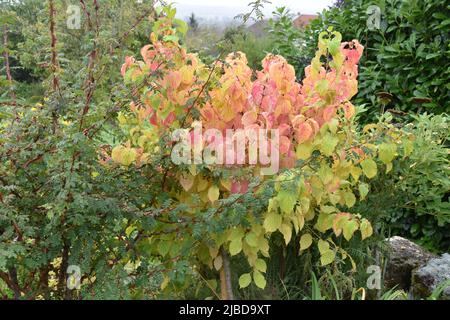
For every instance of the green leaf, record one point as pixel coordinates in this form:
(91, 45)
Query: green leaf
(349, 228)
(287, 200)
(328, 145)
(349, 199)
(251, 239)
(369, 168)
(163, 248)
(245, 280)
(235, 247)
(323, 246)
(363, 190)
(327, 257)
(387, 152)
(260, 265)
(259, 279)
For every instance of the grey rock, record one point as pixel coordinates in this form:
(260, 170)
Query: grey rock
(404, 257)
(427, 278)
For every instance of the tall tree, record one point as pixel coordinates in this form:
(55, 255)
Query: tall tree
(193, 22)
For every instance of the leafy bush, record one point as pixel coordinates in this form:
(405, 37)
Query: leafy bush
(425, 185)
(58, 206)
(406, 61)
(412, 200)
(79, 189)
(228, 210)
(286, 39)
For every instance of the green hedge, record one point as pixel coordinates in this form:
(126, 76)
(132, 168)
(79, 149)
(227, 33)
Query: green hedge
(406, 65)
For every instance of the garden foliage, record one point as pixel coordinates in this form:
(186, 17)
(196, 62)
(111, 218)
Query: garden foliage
(406, 65)
(327, 162)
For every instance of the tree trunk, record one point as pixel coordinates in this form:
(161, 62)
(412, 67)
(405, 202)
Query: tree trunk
(226, 288)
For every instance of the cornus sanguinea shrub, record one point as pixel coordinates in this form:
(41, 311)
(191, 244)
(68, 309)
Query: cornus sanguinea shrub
(326, 161)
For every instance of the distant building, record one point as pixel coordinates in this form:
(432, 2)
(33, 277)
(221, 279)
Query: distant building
(304, 20)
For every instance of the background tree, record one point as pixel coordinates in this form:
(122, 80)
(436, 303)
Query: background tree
(193, 22)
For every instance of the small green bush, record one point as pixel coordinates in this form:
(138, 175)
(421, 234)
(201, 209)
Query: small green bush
(412, 200)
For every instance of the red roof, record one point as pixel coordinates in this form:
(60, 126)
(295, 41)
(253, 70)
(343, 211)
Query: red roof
(304, 19)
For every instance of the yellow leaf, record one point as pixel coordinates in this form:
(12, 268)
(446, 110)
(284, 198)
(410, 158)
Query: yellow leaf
(286, 230)
(304, 151)
(218, 263)
(369, 127)
(193, 170)
(366, 229)
(129, 156)
(226, 184)
(324, 222)
(389, 167)
(236, 234)
(325, 174)
(409, 147)
(165, 282)
(117, 154)
(272, 222)
(323, 246)
(328, 145)
(305, 241)
(202, 184)
(363, 190)
(187, 181)
(213, 193)
(355, 172)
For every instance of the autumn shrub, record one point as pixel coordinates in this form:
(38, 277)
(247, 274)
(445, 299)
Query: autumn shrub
(80, 189)
(220, 211)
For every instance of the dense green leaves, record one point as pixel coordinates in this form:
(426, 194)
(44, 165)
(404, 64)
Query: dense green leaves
(407, 55)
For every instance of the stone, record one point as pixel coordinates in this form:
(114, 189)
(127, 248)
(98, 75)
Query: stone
(427, 278)
(404, 257)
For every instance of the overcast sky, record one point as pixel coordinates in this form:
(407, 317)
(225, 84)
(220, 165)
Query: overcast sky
(212, 9)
